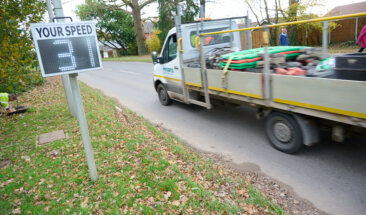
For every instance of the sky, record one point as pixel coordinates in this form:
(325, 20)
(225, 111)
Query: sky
(216, 8)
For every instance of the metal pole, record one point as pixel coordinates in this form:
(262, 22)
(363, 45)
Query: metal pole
(49, 9)
(65, 78)
(83, 126)
(248, 38)
(231, 34)
(203, 65)
(329, 37)
(325, 39)
(201, 17)
(76, 107)
(178, 23)
(356, 29)
(267, 71)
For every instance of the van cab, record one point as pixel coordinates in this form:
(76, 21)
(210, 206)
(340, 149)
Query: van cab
(167, 68)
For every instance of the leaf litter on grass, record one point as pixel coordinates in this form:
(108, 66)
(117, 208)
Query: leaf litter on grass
(142, 169)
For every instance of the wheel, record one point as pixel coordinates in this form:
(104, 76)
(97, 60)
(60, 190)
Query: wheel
(163, 95)
(284, 132)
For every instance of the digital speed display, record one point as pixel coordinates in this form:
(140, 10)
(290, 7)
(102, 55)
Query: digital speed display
(67, 47)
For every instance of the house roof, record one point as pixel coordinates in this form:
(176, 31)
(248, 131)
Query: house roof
(348, 9)
(255, 24)
(104, 46)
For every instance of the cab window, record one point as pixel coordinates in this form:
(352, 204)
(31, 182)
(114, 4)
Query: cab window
(170, 49)
(212, 39)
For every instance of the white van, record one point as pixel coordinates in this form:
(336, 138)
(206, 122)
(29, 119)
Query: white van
(167, 71)
(293, 107)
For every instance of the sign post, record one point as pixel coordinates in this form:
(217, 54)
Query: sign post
(65, 78)
(69, 48)
(83, 126)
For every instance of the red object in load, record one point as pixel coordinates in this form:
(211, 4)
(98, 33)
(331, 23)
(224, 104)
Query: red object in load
(289, 52)
(290, 71)
(244, 61)
(281, 71)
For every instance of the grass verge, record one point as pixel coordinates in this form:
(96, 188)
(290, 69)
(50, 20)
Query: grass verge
(145, 58)
(141, 168)
(339, 49)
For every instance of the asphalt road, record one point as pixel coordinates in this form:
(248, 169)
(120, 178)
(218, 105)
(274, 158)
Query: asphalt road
(332, 176)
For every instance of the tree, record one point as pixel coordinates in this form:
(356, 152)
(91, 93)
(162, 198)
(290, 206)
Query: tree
(167, 11)
(114, 27)
(275, 13)
(135, 6)
(271, 15)
(17, 60)
(292, 17)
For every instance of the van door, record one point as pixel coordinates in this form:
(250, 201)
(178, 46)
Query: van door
(169, 67)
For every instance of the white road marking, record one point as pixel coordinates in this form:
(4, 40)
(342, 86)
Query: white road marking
(132, 73)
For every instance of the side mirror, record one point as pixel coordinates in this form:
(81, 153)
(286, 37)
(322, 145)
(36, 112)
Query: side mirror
(154, 56)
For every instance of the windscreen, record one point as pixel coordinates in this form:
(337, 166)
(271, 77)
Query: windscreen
(212, 39)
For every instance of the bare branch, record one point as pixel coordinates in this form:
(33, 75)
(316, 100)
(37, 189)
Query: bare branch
(276, 12)
(146, 3)
(280, 9)
(128, 2)
(266, 10)
(251, 9)
(119, 7)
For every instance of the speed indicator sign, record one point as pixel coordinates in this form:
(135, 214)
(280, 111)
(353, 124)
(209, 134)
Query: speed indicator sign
(66, 47)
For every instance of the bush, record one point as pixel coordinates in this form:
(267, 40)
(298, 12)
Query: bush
(153, 42)
(18, 66)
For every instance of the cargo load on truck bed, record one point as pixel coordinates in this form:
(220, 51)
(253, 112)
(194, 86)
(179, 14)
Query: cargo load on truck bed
(284, 60)
(249, 58)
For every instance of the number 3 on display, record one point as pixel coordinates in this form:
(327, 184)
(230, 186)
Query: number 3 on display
(72, 65)
(68, 54)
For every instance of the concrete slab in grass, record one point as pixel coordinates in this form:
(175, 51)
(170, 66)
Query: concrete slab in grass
(50, 137)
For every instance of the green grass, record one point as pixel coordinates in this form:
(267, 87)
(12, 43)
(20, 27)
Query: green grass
(141, 168)
(145, 58)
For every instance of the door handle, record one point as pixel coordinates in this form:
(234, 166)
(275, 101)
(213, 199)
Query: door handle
(176, 67)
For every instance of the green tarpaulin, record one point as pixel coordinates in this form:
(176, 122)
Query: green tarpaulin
(253, 53)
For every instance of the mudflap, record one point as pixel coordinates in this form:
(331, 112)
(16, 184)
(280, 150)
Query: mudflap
(309, 130)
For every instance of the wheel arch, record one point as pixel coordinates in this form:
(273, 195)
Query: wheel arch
(156, 84)
(309, 130)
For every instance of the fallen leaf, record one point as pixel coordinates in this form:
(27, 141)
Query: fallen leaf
(26, 158)
(16, 211)
(84, 204)
(41, 181)
(167, 195)
(47, 196)
(176, 203)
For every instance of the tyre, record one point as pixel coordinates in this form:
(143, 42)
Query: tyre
(284, 132)
(163, 95)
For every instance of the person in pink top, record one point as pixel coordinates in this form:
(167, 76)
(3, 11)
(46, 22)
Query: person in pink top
(362, 39)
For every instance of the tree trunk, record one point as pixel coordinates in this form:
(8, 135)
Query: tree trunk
(272, 31)
(139, 31)
(292, 29)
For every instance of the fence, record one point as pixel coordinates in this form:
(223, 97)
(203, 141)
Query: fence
(345, 31)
